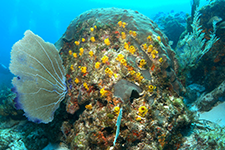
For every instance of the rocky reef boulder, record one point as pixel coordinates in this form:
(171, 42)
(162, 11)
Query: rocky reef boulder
(114, 59)
(134, 21)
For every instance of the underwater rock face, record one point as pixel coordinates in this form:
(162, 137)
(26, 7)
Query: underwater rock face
(207, 101)
(114, 59)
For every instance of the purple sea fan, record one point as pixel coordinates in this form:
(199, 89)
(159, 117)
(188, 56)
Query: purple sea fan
(39, 81)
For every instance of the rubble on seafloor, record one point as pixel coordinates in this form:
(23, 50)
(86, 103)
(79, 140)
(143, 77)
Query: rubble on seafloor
(118, 58)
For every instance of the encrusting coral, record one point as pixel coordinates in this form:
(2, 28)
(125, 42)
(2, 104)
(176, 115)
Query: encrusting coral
(124, 62)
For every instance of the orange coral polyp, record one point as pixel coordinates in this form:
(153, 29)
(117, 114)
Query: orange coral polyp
(83, 69)
(104, 59)
(123, 35)
(132, 49)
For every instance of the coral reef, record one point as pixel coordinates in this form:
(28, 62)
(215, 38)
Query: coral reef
(114, 59)
(11, 140)
(208, 28)
(22, 134)
(207, 135)
(194, 46)
(211, 65)
(7, 109)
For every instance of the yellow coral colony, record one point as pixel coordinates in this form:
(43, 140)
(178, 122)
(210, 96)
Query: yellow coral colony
(117, 110)
(76, 80)
(126, 46)
(142, 63)
(144, 46)
(70, 52)
(86, 86)
(154, 53)
(142, 111)
(75, 55)
(132, 49)
(83, 69)
(92, 39)
(134, 33)
(123, 35)
(124, 24)
(71, 67)
(150, 48)
(151, 88)
(108, 71)
(88, 107)
(138, 118)
(120, 23)
(107, 42)
(139, 77)
(160, 60)
(120, 57)
(130, 32)
(132, 72)
(81, 51)
(149, 38)
(97, 65)
(83, 40)
(124, 62)
(159, 38)
(77, 42)
(103, 92)
(91, 53)
(104, 59)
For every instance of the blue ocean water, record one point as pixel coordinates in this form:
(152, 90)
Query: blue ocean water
(49, 19)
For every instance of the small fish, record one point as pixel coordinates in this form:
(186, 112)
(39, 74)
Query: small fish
(214, 18)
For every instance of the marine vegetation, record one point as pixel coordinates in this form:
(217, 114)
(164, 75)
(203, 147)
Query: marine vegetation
(194, 45)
